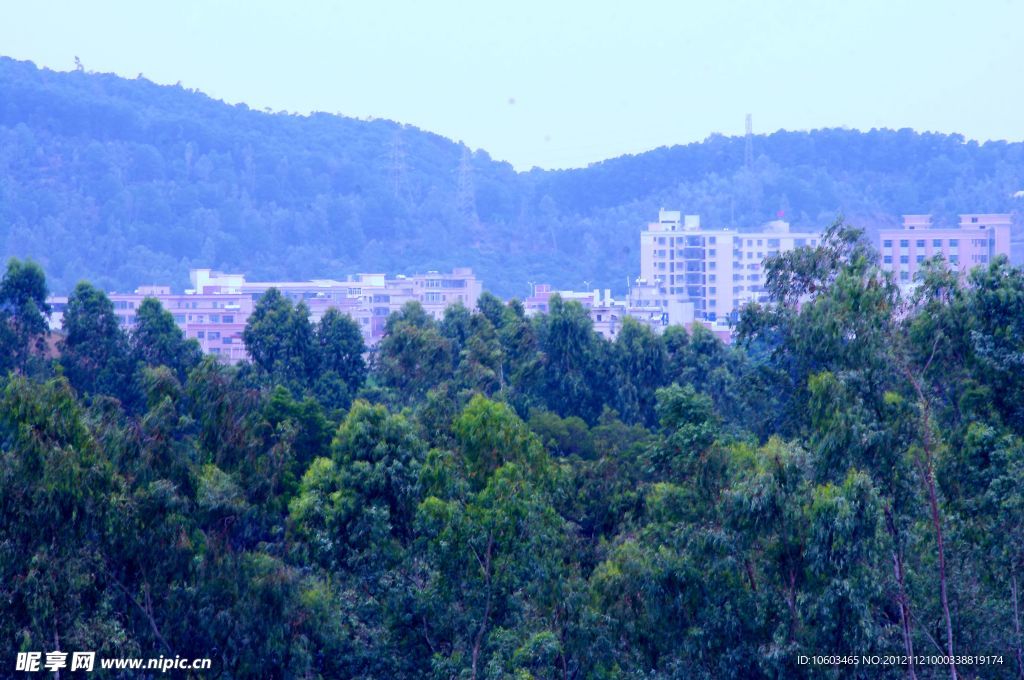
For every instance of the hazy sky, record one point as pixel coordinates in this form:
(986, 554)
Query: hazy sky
(558, 84)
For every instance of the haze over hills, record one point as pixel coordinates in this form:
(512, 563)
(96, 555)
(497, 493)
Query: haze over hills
(125, 182)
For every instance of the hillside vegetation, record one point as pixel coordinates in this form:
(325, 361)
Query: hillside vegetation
(125, 182)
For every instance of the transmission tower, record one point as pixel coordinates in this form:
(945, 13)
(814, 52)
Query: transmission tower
(748, 149)
(465, 191)
(398, 188)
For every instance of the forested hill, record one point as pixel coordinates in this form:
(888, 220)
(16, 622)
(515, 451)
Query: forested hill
(125, 182)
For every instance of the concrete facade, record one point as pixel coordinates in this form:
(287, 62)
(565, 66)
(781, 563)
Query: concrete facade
(217, 307)
(717, 270)
(977, 239)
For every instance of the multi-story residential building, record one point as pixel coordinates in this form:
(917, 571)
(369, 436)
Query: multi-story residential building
(217, 307)
(215, 319)
(975, 241)
(367, 298)
(718, 270)
(605, 312)
(437, 291)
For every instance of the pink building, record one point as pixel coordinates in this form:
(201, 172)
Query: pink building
(975, 241)
(215, 310)
(215, 319)
(368, 298)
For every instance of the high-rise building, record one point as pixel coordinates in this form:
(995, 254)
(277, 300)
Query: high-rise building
(975, 241)
(717, 270)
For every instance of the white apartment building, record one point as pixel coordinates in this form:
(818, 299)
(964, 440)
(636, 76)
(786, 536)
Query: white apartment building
(717, 270)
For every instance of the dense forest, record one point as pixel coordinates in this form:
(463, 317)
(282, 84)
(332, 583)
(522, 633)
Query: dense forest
(497, 496)
(126, 182)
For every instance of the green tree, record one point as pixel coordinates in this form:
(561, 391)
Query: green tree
(498, 585)
(156, 340)
(413, 357)
(23, 310)
(342, 368)
(94, 351)
(640, 363)
(575, 375)
(281, 342)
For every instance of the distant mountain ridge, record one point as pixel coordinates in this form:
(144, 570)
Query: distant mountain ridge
(125, 182)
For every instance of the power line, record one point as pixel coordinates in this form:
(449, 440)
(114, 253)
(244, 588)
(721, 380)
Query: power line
(465, 191)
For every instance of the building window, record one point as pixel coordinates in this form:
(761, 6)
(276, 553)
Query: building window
(711, 277)
(712, 290)
(954, 242)
(887, 259)
(904, 276)
(904, 259)
(711, 239)
(228, 341)
(228, 318)
(887, 243)
(974, 220)
(937, 243)
(920, 243)
(904, 243)
(201, 334)
(711, 265)
(215, 318)
(712, 252)
(954, 259)
(920, 258)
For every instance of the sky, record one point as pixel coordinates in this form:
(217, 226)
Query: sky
(563, 83)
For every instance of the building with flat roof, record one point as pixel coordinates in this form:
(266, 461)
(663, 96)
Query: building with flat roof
(717, 270)
(607, 313)
(974, 241)
(217, 307)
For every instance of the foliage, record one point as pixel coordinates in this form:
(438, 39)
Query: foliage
(497, 496)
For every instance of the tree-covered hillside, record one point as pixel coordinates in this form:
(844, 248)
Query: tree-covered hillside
(499, 497)
(126, 182)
